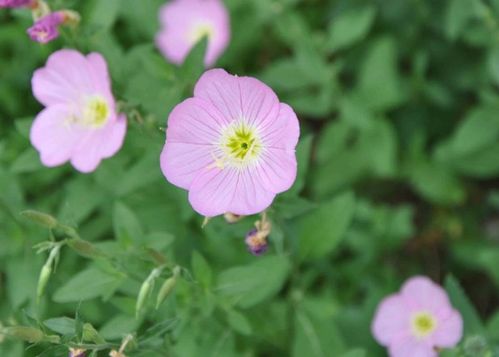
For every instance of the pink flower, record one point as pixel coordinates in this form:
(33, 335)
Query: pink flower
(16, 3)
(79, 123)
(232, 145)
(46, 29)
(417, 320)
(185, 22)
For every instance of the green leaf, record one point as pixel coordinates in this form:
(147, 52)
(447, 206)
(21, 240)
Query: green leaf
(28, 161)
(254, 283)
(238, 322)
(61, 325)
(471, 320)
(88, 284)
(104, 13)
(349, 27)
(458, 15)
(202, 270)
(321, 230)
(127, 227)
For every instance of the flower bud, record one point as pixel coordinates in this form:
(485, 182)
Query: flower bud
(40, 218)
(43, 279)
(25, 333)
(232, 218)
(84, 248)
(77, 352)
(256, 242)
(165, 290)
(143, 295)
(91, 334)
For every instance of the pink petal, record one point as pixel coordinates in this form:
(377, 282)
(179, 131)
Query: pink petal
(276, 170)
(449, 330)
(63, 80)
(282, 133)
(99, 144)
(391, 321)
(251, 196)
(423, 294)
(238, 97)
(181, 162)
(52, 136)
(410, 347)
(100, 76)
(195, 121)
(212, 191)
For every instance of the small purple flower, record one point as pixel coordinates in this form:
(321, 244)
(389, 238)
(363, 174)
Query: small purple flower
(16, 3)
(256, 242)
(46, 29)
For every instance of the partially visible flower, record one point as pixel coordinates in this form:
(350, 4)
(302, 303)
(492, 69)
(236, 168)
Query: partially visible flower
(232, 145)
(417, 321)
(46, 29)
(76, 352)
(256, 239)
(80, 123)
(17, 3)
(232, 218)
(185, 22)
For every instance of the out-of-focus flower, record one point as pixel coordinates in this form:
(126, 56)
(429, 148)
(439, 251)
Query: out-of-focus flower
(80, 123)
(417, 320)
(76, 352)
(46, 29)
(185, 22)
(16, 3)
(232, 145)
(256, 239)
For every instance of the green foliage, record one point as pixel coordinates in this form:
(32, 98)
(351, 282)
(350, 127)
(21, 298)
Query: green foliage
(398, 168)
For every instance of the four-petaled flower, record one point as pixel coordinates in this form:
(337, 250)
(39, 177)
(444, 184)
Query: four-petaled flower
(417, 320)
(232, 145)
(185, 22)
(79, 123)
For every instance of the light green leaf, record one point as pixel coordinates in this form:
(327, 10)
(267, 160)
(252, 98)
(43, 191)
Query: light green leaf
(127, 227)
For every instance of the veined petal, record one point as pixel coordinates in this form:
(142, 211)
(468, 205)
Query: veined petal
(52, 136)
(182, 162)
(238, 98)
(283, 132)
(276, 170)
(392, 320)
(195, 121)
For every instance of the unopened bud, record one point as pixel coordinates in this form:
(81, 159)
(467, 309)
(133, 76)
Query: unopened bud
(256, 242)
(165, 290)
(232, 218)
(142, 297)
(40, 218)
(91, 334)
(43, 279)
(84, 248)
(25, 333)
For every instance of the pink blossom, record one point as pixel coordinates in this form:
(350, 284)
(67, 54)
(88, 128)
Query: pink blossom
(79, 123)
(185, 22)
(417, 320)
(232, 145)
(46, 29)
(16, 3)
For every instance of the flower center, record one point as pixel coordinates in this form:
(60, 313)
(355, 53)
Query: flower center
(423, 324)
(201, 30)
(96, 112)
(239, 145)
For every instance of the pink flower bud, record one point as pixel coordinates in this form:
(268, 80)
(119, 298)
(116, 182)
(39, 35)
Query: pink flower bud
(46, 29)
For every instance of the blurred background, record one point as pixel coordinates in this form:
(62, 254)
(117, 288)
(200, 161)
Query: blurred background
(398, 104)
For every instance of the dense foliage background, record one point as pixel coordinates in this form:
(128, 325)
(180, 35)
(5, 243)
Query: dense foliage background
(398, 175)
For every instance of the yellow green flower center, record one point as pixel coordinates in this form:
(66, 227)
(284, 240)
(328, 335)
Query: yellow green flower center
(96, 112)
(201, 30)
(239, 145)
(423, 324)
